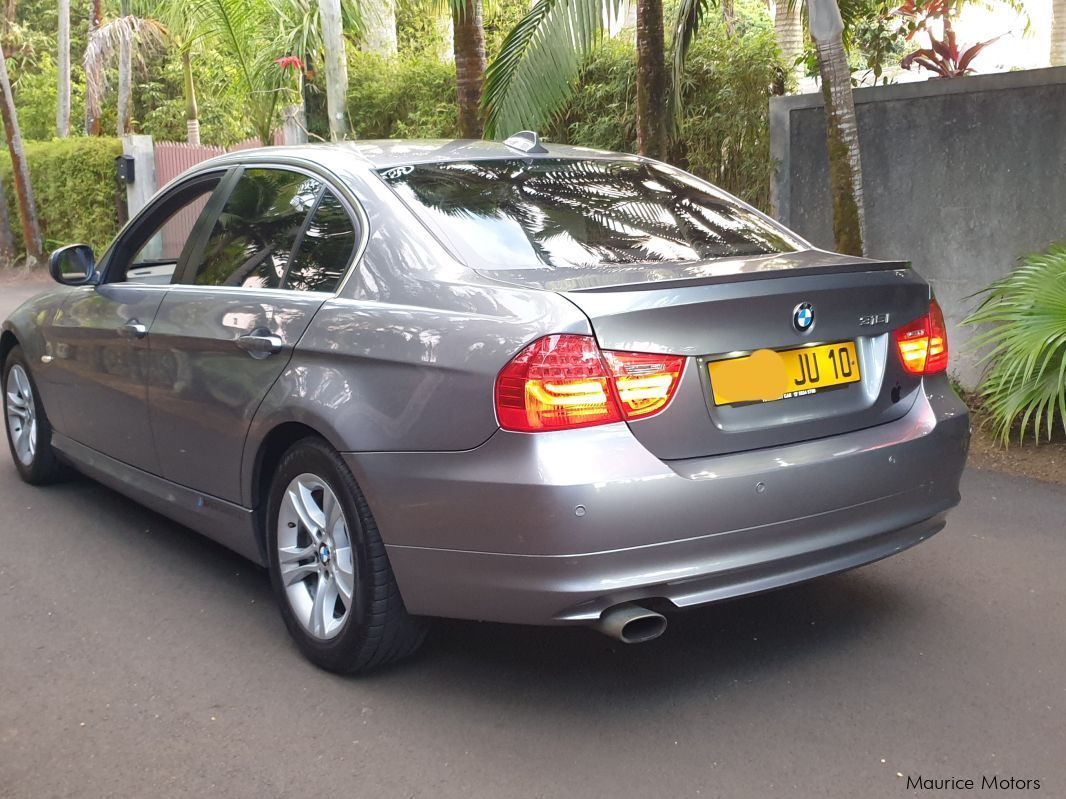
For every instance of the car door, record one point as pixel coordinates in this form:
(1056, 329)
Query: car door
(99, 342)
(226, 329)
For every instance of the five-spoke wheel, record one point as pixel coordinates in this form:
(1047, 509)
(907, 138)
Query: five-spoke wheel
(21, 414)
(315, 555)
(28, 431)
(328, 565)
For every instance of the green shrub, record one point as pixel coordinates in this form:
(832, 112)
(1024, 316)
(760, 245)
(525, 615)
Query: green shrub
(411, 97)
(75, 190)
(1025, 336)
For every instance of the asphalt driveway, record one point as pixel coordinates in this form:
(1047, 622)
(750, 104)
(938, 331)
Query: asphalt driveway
(139, 659)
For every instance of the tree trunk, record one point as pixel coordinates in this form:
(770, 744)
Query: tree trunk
(329, 15)
(92, 97)
(1058, 33)
(729, 16)
(469, 44)
(63, 63)
(7, 238)
(192, 111)
(788, 32)
(651, 80)
(379, 27)
(125, 78)
(31, 231)
(842, 130)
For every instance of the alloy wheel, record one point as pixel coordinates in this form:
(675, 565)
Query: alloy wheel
(315, 556)
(21, 414)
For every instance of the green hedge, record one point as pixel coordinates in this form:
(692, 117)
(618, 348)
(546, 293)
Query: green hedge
(78, 198)
(724, 133)
(398, 98)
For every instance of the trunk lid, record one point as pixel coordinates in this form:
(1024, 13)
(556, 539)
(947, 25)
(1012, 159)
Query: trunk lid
(731, 307)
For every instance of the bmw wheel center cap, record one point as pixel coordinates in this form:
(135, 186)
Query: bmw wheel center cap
(803, 317)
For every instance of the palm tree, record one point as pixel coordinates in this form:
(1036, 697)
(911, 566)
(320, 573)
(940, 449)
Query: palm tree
(329, 15)
(380, 27)
(1058, 33)
(652, 133)
(788, 31)
(842, 130)
(250, 34)
(31, 229)
(468, 44)
(93, 99)
(125, 75)
(305, 32)
(63, 63)
(124, 33)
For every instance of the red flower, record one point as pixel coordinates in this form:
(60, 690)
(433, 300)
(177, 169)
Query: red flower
(289, 62)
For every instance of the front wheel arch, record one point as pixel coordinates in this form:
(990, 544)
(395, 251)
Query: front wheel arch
(8, 342)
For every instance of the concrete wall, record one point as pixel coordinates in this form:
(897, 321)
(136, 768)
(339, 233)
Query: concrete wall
(962, 177)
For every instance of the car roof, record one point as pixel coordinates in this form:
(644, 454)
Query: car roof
(385, 153)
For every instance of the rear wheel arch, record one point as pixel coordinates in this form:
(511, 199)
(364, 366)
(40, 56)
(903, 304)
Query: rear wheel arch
(269, 453)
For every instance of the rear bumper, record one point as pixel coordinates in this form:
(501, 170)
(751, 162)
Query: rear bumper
(555, 528)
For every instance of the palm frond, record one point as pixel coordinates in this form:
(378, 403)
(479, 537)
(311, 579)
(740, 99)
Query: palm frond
(1023, 335)
(138, 33)
(299, 29)
(532, 77)
(238, 27)
(689, 15)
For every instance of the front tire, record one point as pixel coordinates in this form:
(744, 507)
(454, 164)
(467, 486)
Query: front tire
(29, 434)
(329, 569)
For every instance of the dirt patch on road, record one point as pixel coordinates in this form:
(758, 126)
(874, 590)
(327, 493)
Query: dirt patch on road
(1045, 461)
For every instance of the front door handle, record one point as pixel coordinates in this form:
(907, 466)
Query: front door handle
(260, 344)
(133, 329)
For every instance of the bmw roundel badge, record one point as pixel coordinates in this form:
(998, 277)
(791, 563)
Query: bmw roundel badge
(803, 317)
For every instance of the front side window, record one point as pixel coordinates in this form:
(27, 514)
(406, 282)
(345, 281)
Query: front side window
(150, 252)
(257, 229)
(562, 213)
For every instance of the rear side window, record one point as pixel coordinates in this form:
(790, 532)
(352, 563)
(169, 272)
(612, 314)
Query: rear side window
(561, 213)
(325, 248)
(257, 229)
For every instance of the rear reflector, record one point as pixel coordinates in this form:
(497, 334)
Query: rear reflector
(923, 344)
(562, 382)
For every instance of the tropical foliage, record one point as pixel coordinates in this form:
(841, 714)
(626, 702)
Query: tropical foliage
(1023, 335)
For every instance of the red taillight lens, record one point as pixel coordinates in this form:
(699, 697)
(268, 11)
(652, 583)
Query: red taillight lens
(923, 344)
(644, 382)
(556, 382)
(564, 381)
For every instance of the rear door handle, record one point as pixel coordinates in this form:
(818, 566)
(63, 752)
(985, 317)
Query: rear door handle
(260, 345)
(133, 329)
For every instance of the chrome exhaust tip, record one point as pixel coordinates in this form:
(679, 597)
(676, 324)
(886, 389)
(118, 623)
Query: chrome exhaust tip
(631, 624)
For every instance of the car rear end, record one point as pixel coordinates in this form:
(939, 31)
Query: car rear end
(743, 412)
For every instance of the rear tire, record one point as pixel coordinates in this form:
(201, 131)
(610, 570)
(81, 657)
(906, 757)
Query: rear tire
(329, 569)
(29, 434)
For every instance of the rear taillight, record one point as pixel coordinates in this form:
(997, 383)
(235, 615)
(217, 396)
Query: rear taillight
(923, 344)
(564, 381)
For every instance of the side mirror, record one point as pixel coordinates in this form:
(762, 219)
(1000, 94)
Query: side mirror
(73, 266)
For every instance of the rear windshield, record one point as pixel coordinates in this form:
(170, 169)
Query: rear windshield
(522, 214)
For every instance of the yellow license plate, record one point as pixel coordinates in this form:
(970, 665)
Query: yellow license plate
(766, 375)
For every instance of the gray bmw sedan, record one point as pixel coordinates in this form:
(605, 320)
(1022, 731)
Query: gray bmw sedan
(504, 381)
